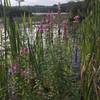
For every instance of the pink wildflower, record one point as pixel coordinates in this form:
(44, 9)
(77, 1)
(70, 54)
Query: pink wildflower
(40, 28)
(64, 24)
(49, 17)
(76, 19)
(14, 68)
(24, 50)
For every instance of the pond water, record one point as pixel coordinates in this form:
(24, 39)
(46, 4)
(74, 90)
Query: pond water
(30, 34)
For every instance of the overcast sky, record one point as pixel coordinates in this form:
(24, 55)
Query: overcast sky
(40, 2)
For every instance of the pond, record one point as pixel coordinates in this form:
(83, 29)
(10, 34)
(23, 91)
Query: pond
(31, 34)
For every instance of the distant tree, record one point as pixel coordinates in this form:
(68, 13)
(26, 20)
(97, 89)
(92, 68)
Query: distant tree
(1, 8)
(19, 1)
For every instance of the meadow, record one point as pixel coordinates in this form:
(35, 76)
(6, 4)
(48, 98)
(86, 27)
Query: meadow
(56, 59)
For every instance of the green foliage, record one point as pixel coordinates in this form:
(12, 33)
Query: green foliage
(32, 69)
(91, 53)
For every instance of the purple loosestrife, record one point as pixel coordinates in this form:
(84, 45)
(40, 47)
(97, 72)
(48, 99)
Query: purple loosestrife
(49, 19)
(43, 20)
(14, 68)
(59, 8)
(24, 51)
(40, 28)
(76, 19)
(64, 25)
(59, 19)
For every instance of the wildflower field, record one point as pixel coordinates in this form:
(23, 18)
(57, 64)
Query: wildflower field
(54, 59)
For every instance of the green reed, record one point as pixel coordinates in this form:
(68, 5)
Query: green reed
(44, 71)
(90, 53)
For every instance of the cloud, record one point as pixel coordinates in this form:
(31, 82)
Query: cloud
(31, 1)
(39, 2)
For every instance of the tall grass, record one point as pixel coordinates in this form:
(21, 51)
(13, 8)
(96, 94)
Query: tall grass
(36, 65)
(90, 53)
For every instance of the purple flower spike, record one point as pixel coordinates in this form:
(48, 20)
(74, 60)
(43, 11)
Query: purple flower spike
(64, 25)
(40, 28)
(59, 8)
(49, 19)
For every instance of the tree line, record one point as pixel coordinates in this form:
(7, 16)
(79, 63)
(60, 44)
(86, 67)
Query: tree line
(75, 7)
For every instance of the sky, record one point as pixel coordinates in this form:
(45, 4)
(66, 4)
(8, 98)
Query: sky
(40, 2)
